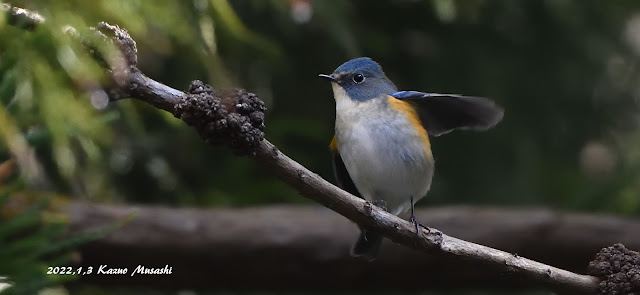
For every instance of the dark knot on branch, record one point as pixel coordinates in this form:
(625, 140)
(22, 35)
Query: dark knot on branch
(232, 117)
(620, 268)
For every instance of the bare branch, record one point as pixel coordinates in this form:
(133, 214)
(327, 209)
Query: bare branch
(21, 17)
(193, 240)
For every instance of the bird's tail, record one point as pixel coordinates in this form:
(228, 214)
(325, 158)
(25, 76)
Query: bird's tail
(367, 245)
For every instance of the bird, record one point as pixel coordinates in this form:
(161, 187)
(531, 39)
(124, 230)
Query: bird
(381, 149)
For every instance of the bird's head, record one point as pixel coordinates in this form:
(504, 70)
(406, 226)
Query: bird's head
(361, 79)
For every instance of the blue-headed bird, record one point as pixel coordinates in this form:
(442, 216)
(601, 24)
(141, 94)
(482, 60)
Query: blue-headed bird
(381, 149)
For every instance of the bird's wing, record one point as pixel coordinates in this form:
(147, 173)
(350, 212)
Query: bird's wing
(441, 113)
(341, 173)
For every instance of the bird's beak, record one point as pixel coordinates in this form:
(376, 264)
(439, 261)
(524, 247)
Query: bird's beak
(328, 77)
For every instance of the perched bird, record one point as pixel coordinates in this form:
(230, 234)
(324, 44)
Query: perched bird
(381, 149)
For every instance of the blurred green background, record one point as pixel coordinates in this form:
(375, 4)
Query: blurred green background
(566, 72)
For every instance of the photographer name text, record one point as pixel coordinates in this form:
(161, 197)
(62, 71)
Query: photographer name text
(104, 269)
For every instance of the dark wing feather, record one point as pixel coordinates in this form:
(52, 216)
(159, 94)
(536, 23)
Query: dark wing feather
(342, 175)
(368, 243)
(441, 113)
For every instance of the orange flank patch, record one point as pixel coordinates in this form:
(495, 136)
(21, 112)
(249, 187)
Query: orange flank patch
(334, 144)
(407, 109)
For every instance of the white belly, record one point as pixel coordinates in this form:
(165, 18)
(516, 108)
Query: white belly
(386, 161)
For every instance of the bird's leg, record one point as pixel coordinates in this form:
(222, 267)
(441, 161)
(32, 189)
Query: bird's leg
(415, 221)
(413, 217)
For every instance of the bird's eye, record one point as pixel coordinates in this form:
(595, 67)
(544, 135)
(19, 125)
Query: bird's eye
(358, 78)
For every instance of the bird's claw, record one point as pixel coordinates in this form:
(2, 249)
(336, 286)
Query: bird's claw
(418, 225)
(380, 203)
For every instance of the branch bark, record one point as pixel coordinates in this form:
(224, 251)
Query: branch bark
(130, 82)
(221, 248)
(21, 17)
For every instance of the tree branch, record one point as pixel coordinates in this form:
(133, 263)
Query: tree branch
(130, 82)
(194, 240)
(21, 17)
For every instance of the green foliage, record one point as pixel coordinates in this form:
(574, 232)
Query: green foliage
(34, 239)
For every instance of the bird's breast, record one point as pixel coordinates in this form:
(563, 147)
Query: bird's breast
(384, 152)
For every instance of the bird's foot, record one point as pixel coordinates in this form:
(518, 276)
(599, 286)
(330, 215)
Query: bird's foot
(380, 203)
(418, 225)
(415, 221)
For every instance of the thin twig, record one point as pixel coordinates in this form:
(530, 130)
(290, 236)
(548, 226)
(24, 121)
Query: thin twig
(21, 17)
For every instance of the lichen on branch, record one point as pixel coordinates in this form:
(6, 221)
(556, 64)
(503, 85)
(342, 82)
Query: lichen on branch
(233, 117)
